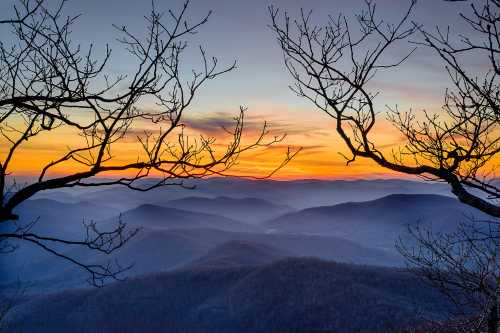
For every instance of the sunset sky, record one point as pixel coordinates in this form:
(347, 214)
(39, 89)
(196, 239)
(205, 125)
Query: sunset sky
(238, 30)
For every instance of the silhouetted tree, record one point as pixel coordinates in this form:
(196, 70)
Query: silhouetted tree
(465, 266)
(49, 83)
(332, 66)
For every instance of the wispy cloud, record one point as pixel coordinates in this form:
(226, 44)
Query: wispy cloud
(214, 123)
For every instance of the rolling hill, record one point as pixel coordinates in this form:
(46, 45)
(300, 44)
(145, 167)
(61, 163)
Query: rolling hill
(54, 219)
(299, 194)
(236, 253)
(249, 210)
(151, 250)
(379, 222)
(156, 217)
(291, 295)
(154, 250)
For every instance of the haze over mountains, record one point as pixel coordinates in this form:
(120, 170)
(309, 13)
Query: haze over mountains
(157, 217)
(249, 210)
(298, 194)
(155, 250)
(378, 222)
(227, 244)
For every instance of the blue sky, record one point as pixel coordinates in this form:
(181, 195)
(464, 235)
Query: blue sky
(238, 30)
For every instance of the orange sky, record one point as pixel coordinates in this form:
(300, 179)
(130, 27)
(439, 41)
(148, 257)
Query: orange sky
(311, 131)
(314, 133)
(260, 83)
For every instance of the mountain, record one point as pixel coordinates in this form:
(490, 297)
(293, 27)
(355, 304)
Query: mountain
(65, 220)
(299, 245)
(291, 295)
(377, 223)
(249, 210)
(238, 253)
(156, 217)
(48, 218)
(151, 250)
(69, 195)
(302, 194)
(54, 217)
(298, 194)
(154, 250)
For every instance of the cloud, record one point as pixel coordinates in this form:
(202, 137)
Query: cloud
(213, 124)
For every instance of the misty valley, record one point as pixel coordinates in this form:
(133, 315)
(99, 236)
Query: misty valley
(234, 255)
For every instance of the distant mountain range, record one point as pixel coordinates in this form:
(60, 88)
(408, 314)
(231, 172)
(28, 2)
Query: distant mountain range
(298, 194)
(356, 232)
(157, 217)
(52, 218)
(154, 250)
(57, 217)
(249, 210)
(291, 295)
(380, 222)
(235, 256)
(236, 253)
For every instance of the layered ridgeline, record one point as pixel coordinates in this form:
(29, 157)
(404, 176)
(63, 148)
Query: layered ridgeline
(249, 210)
(154, 250)
(378, 223)
(356, 232)
(297, 194)
(290, 295)
(221, 254)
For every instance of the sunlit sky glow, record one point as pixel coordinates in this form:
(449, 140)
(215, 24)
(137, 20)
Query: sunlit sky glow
(238, 31)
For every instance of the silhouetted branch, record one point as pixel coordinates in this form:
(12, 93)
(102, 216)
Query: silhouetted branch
(463, 265)
(49, 83)
(96, 240)
(332, 66)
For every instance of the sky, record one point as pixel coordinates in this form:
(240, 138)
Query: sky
(238, 30)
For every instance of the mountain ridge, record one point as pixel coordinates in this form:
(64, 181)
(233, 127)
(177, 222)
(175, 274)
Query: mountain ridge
(303, 295)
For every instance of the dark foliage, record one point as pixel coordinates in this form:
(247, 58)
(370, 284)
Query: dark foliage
(294, 295)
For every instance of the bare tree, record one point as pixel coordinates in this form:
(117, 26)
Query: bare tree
(50, 83)
(464, 265)
(333, 65)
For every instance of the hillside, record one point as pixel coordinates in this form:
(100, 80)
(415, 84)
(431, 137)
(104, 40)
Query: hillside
(58, 218)
(249, 210)
(154, 250)
(378, 222)
(293, 295)
(236, 253)
(52, 218)
(298, 194)
(156, 217)
(64, 220)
